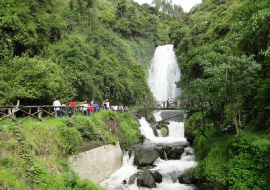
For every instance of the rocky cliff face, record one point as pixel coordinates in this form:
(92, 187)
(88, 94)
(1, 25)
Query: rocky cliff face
(98, 164)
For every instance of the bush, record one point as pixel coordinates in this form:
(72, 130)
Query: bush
(85, 126)
(71, 137)
(249, 165)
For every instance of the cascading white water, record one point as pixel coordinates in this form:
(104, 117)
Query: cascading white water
(176, 131)
(116, 179)
(163, 74)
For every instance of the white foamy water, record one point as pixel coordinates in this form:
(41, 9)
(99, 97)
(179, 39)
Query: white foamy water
(163, 74)
(173, 168)
(166, 168)
(176, 132)
(116, 179)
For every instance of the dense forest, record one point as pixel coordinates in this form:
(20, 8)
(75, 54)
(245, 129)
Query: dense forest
(223, 51)
(78, 49)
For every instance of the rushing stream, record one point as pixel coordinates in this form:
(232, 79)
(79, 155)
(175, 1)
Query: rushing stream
(163, 74)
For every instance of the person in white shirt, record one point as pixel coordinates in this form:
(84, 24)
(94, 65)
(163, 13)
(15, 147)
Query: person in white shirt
(85, 107)
(56, 105)
(108, 104)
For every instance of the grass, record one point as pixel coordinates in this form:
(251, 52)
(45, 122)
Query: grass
(34, 155)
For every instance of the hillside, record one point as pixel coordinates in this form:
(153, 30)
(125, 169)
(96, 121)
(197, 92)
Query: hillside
(223, 52)
(34, 155)
(77, 50)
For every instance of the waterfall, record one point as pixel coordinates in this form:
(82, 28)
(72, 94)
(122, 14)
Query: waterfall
(163, 74)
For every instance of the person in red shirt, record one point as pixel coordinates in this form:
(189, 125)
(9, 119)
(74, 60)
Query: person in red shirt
(72, 109)
(91, 109)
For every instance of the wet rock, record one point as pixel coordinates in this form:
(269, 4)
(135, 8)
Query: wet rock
(173, 153)
(189, 151)
(132, 179)
(162, 124)
(160, 151)
(129, 153)
(150, 118)
(146, 179)
(190, 137)
(187, 178)
(155, 132)
(157, 177)
(145, 157)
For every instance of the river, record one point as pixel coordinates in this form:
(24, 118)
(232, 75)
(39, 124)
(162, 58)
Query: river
(163, 75)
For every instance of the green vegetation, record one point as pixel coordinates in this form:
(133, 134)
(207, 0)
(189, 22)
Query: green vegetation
(34, 155)
(78, 49)
(164, 131)
(222, 48)
(234, 161)
(223, 51)
(85, 49)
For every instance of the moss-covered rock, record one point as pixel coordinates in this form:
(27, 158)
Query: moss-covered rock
(164, 131)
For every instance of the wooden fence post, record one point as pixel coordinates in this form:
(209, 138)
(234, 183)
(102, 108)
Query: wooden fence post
(40, 112)
(13, 116)
(9, 111)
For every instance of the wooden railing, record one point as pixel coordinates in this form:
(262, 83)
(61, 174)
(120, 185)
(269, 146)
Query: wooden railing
(31, 111)
(40, 112)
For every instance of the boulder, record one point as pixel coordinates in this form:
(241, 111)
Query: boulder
(146, 179)
(133, 178)
(174, 153)
(145, 157)
(129, 153)
(190, 137)
(157, 177)
(150, 118)
(187, 178)
(162, 124)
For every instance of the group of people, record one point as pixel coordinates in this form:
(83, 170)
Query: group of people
(87, 108)
(61, 109)
(106, 106)
(171, 104)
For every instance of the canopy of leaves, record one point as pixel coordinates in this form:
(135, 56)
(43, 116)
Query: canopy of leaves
(225, 45)
(77, 49)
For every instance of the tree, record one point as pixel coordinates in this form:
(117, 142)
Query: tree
(236, 75)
